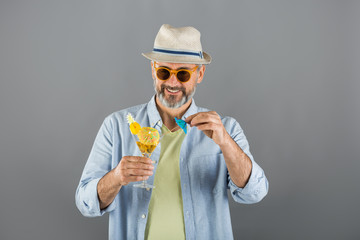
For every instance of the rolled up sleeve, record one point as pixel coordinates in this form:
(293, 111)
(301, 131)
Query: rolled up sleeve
(97, 165)
(257, 186)
(255, 189)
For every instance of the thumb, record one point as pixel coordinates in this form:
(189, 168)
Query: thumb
(189, 118)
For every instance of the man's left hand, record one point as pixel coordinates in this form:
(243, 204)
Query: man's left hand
(210, 123)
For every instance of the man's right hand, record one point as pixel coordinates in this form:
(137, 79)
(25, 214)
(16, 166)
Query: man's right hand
(129, 169)
(133, 169)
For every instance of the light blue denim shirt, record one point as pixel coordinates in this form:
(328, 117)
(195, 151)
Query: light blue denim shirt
(204, 178)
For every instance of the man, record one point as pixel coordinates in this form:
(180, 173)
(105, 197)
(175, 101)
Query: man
(193, 171)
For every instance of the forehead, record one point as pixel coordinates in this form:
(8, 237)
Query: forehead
(175, 65)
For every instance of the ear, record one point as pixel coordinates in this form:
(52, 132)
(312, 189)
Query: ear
(201, 74)
(152, 70)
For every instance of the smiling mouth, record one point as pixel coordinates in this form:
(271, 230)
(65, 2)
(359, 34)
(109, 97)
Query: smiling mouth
(172, 91)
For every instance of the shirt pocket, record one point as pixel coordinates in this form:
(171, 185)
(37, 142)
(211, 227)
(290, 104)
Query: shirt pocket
(209, 173)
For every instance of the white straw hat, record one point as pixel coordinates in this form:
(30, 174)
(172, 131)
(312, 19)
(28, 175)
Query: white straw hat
(178, 45)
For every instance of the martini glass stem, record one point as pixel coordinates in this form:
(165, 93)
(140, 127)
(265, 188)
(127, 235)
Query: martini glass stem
(144, 182)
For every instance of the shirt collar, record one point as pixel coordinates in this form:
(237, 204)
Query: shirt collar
(153, 113)
(154, 116)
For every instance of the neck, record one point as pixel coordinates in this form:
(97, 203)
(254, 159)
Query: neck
(168, 114)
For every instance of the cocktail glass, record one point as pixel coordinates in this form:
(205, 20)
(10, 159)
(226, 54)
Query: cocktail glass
(147, 139)
(146, 150)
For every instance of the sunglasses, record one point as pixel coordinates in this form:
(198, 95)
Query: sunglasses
(182, 75)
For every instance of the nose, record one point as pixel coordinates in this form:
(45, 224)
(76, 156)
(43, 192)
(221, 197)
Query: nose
(173, 80)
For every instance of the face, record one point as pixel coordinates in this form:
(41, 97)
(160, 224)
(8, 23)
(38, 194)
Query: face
(173, 93)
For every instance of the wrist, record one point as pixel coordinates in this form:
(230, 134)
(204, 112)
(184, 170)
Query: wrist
(116, 179)
(226, 140)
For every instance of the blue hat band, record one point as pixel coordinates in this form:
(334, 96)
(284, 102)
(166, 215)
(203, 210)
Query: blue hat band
(179, 52)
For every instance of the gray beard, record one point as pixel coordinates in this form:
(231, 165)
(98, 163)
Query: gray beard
(185, 98)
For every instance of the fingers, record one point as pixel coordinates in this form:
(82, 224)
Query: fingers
(137, 159)
(137, 172)
(207, 126)
(203, 117)
(137, 165)
(189, 118)
(134, 169)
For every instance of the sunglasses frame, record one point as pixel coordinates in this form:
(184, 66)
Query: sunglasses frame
(172, 71)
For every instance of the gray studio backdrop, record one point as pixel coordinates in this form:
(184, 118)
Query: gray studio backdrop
(288, 71)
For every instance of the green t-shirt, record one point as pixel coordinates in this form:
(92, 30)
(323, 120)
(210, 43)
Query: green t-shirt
(165, 216)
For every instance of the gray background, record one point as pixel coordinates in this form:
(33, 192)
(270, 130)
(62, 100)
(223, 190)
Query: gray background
(288, 71)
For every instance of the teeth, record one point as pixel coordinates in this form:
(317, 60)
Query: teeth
(173, 91)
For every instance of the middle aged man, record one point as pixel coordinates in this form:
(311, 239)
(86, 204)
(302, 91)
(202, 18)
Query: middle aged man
(193, 171)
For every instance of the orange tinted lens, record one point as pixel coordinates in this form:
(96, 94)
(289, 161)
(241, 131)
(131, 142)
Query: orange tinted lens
(163, 74)
(183, 76)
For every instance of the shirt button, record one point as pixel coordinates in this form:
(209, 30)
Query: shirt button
(143, 216)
